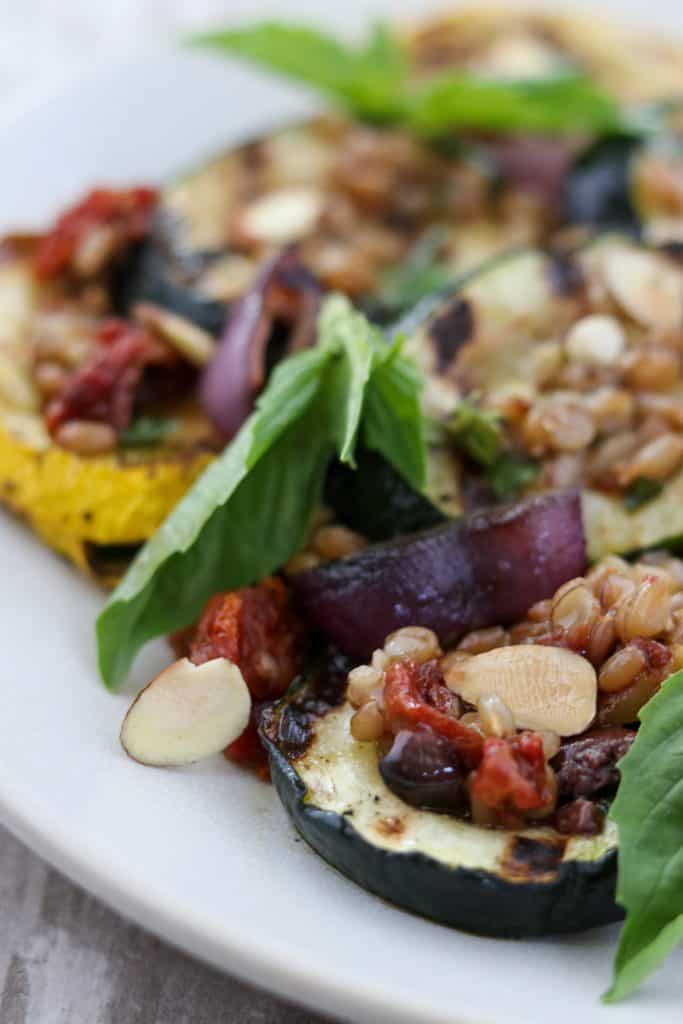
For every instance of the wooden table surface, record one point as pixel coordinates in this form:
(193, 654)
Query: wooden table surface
(67, 959)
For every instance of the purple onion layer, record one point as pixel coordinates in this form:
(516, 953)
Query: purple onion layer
(482, 570)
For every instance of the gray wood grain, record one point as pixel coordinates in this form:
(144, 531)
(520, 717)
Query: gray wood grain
(67, 959)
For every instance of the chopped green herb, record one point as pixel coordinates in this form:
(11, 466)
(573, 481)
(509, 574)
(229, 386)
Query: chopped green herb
(373, 81)
(648, 811)
(511, 474)
(420, 274)
(253, 506)
(476, 431)
(147, 431)
(641, 491)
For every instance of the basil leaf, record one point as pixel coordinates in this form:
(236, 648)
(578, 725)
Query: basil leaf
(554, 105)
(392, 418)
(215, 536)
(340, 325)
(648, 811)
(420, 274)
(642, 490)
(374, 82)
(511, 474)
(252, 507)
(366, 79)
(476, 431)
(146, 431)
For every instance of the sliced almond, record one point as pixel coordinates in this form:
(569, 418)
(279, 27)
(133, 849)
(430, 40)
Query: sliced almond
(646, 287)
(545, 688)
(16, 388)
(282, 216)
(28, 429)
(192, 342)
(187, 713)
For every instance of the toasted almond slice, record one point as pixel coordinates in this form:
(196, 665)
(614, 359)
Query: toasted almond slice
(546, 688)
(282, 216)
(26, 428)
(16, 388)
(646, 287)
(192, 342)
(187, 713)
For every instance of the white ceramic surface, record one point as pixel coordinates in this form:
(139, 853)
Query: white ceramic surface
(206, 857)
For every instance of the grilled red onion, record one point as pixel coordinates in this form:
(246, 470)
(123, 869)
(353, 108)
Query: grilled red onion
(536, 164)
(481, 570)
(281, 307)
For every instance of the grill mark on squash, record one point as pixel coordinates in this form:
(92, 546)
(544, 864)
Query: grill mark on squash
(529, 859)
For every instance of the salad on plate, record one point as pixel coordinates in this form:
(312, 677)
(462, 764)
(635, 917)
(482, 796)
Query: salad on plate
(379, 418)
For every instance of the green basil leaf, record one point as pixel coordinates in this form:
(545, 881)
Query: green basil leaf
(367, 79)
(511, 474)
(147, 431)
(342, 327)
(295, 50)
(373, 82)
(419, 275)
(641, 491)
(476, 431)
(253, 506)
(648, 811)
(558, 104)
(214, 537)
(392, 419)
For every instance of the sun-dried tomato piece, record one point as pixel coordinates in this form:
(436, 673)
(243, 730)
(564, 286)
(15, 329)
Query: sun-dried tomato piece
(105, 389)
(247, 750)
(255, 628)
(127, 212)
(416, 694)
(512, 778)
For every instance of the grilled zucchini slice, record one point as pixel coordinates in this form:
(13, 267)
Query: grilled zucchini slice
(502, 337)
(492, 882)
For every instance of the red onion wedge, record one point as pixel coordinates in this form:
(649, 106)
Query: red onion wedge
(281, 306)
(481, 570)
(535, 163)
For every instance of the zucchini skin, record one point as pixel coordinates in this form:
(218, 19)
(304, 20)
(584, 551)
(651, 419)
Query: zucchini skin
(580, 895)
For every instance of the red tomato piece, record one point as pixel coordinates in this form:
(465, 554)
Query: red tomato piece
(128, 211)
(248, 750)
(255, 628)
(415, 694)
(512, 777)
(105, 388)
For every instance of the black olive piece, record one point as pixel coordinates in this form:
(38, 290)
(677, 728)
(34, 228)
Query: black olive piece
(598, 186)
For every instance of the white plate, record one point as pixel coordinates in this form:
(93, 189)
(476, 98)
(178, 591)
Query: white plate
(206, 857)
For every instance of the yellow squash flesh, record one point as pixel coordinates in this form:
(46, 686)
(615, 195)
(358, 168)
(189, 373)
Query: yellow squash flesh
(78, 505)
